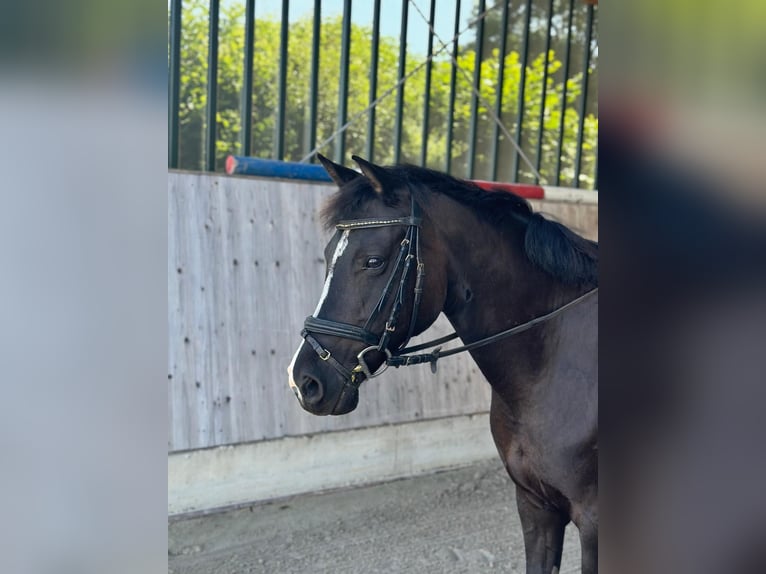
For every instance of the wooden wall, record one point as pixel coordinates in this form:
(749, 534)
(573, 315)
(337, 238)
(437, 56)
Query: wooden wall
(245, 267)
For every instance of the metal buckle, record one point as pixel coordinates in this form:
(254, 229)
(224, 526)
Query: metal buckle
(365, 369)
(324, 355)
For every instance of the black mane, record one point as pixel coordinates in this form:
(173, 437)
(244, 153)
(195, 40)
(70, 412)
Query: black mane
(549, 245)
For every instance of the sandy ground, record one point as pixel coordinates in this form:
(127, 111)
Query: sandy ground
(457, 521)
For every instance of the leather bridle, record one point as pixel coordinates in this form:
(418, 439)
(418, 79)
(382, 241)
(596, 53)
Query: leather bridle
(409, 252)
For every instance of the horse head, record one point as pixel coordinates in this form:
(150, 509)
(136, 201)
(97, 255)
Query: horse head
(372, 301)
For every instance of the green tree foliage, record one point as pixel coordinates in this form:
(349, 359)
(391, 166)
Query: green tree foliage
(296, 130)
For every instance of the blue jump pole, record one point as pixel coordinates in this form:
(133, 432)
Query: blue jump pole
(273, 168)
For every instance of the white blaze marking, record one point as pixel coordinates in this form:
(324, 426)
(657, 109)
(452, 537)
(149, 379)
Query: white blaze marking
(339, 249)
(290, 378)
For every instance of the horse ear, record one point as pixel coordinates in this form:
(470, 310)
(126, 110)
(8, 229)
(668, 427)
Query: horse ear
(340, 175)
(378, 177)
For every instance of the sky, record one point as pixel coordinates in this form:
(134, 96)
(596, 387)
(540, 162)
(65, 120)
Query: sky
(390, 19)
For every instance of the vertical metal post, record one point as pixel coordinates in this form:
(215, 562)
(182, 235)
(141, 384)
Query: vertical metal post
(246, 133)
(564, 93)
(475, 98)
(314, 80)
(370, 150)
(452, 83)
(522, 89)
(400, 90)
(499, 93)
(279, 128)
(345, 46)
(427, 102)
(540, 127)
(212, 87)
(584, 94)
(174, 82)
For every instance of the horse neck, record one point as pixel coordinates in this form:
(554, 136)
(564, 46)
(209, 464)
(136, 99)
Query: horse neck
(492, 286)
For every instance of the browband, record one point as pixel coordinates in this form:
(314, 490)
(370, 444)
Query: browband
(374, 222)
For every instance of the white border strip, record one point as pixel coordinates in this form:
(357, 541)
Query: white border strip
(230, 475)
(570, 195)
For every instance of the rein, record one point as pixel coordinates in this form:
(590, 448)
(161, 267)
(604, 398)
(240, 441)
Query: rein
(402, 359)
(409, 251)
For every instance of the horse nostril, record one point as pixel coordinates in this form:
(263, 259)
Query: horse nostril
(311, 390)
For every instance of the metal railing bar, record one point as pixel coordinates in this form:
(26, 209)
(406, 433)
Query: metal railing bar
(314, 79)
(544, 92)
(427, 97)
(393, 88)
(345, 47)
(375, 49)
(401, 77)
(564, 92)
(452, 92)
(522, 89)
(174, 82)
(246, 134)
(472, 134)
(499, 96)
(584, 95)
(279, 126)
(212, 87)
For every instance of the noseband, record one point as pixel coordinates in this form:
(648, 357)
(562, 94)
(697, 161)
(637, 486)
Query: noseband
(409, 252)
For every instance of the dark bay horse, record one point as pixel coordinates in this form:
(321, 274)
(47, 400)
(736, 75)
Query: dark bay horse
(520, 291)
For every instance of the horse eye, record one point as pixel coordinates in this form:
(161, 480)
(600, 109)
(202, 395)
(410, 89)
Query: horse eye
(374, 263)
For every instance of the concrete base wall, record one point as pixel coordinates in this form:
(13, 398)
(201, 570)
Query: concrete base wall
(230, 475)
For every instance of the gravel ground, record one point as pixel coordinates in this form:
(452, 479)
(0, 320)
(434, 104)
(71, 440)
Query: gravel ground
(457, 521)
